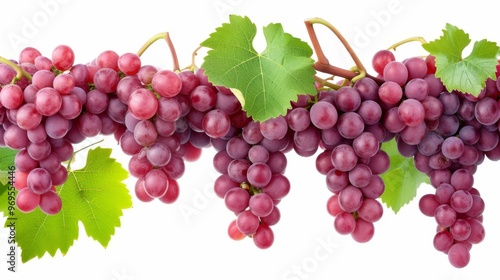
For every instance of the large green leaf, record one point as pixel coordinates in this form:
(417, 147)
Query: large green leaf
(94, 195)
(266, 82)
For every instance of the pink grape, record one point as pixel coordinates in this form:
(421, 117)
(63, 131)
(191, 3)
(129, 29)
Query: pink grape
(167, 83)
(50, 203)
(26, 200)
(156, 183)
(143, 104)
(263, 237)
(63, 57)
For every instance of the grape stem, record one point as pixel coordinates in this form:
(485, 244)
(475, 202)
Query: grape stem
(76, 152)
(361, 75)
(325, 83)
(193, 59)
(166, 36)
(250, 188)
(324, 65)
(19, 70)
(411, 39)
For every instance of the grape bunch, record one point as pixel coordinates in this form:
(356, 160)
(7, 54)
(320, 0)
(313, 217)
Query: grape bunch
(348, 122)
(448, 134)
(252, 181)
(64, 103)
(35, 116)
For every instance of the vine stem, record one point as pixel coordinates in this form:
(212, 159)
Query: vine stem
(193, 59)
(324, 65)
(76, 152)
(166, 36)
(405, 41)
(325, 82)
(19, 70)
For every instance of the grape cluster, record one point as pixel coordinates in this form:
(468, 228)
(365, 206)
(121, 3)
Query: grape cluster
(448, 134)
(352, 160)
(64, 103)
(35, 116)
(252, 163)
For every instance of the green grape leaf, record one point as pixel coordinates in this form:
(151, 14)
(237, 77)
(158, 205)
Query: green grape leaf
(6, 161)
(401, 180)
(266, 82)
(467, 74)
(94, 195)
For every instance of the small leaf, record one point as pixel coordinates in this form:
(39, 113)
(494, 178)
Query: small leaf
(468, 74)
(268, 81)
(401, 180)
(94, 195)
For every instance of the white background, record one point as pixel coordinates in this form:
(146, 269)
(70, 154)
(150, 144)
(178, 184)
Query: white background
(188, 240)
